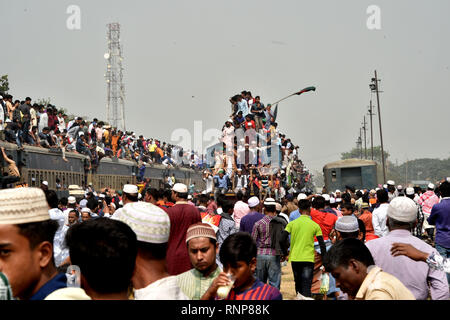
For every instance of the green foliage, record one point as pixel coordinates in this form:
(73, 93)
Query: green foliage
(422, 169)
(355, 153)
(4, 84)
(417, 169)
(43, 101)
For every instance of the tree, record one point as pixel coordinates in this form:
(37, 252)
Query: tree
(43, 101)
(4, 84)
(355, 153)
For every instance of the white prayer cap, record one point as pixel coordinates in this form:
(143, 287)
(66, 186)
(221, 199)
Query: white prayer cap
(229, 120)
(180, 187)
(71, 200)
(83, 203)
(391, 182)
(86, 209)
(253, 202)
(301, 196)
(23, 205)
(81, 133)
(269, 201)
(448, 179)
(101, 195)
(112, 205)
(337, 190)
(139, 196)
(150, 223)
(326, 197)
(385, 186)
(372, 191)
(376, 189)
(338, 200)
(399, 187)
(347, 224)
(45, 183)
(431, 186)
(410, 191)
(130, 188)
(204, 192)
(8, 120)
(189, 197)
(1, 97)
(332, 200)
(95, 193)
(402, 209)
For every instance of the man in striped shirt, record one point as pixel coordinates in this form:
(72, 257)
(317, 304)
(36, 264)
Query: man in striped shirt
(268, 265)
(238, 256)
(202, 247)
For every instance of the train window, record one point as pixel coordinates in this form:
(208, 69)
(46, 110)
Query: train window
(333, 176)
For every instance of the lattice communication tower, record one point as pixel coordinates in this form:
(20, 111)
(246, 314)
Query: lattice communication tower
(115, 107)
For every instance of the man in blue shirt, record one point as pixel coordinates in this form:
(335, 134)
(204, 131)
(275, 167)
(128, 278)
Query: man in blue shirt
(249, 220)
(440, 217)
(296, 213)
(221, 182)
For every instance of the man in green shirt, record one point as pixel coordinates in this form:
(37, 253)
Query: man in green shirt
(202, 247)
(302, 232)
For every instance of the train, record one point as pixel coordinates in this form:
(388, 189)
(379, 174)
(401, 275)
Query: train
(356, 173)
(40, 164)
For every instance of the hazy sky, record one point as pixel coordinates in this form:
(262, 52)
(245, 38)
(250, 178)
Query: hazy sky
(208, 49)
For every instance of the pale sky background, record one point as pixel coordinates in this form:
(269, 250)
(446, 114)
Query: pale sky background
(208, 49)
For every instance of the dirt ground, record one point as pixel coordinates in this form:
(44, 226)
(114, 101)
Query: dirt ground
(287, 283)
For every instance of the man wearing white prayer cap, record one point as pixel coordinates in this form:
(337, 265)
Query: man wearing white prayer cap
(182, 215)
(416, 276)
(392, 190)
(249, 220)
(26, 242)
(417, 230)
(296, 213)
(427, 200)
(152, 226)
(346, 227)
(301, 196)
(44, 185)
(129, 195)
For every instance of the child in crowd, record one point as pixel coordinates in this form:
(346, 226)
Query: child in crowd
(238, 256)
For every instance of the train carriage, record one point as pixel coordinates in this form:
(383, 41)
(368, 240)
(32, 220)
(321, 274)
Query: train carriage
(39, 164)
(357, 173)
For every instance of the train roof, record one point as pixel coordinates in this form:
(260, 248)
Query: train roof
(349, 163)
(32, 149)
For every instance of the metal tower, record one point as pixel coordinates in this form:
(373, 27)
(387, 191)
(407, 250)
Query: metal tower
(115, 109)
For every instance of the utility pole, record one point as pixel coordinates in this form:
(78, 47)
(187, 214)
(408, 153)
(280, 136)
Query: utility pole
(359, 144)
(406, 173)
(379, 120)
(364, 127)
(371, 128)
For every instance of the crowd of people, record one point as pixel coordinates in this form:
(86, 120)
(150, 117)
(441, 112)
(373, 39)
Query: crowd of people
(256, 214)
(27, 123)
(255, 157)
(150, 244)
